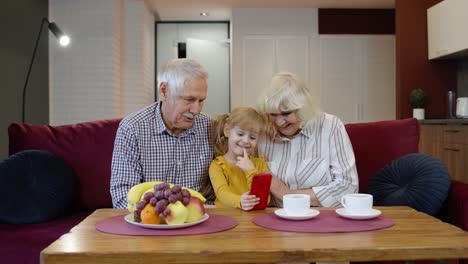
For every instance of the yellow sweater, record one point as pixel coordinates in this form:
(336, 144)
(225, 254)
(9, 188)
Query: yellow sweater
(230, 182)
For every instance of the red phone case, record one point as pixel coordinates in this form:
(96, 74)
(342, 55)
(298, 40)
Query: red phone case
(261, 188)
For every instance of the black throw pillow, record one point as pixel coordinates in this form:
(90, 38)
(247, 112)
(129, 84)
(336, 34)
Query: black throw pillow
(416, 180)
(35, 186)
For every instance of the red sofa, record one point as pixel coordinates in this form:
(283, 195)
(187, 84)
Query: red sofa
(87, 149)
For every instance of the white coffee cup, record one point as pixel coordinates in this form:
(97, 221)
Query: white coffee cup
(358, 203)
(296, 204)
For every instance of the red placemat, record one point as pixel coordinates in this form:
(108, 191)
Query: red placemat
(117, 225)
(326, 222)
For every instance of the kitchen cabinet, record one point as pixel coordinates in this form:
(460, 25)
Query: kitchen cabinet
(445, 32)
(449, 143)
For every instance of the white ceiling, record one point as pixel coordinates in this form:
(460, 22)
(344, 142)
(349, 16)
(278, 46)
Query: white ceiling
(220, 10)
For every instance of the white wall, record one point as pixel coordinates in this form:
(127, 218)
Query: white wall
(108, 69)
(138, 59)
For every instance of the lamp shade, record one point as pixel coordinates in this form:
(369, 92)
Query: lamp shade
(64, 40)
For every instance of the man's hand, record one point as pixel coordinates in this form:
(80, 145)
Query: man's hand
(244, 162)
(248, 201)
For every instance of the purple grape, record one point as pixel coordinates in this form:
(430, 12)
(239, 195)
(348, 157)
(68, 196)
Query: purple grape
(148, 196)
(136, 216)
(140, 205)
(167, 193)
(153, 201)
(167, 212)
(173, 198)
(159, 195)
(185, 193)
(176, 189)
(185, 201)
(165, 201)
(159, 208)
(162, 186)
(157, 187)
(179, 196)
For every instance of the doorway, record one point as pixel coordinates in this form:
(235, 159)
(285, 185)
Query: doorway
(206, 42)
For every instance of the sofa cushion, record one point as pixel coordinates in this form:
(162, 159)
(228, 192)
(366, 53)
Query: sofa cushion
(86, 147)
(456, 207)
(24, 243)
(35, 186)
(416, 180)
(377, 143)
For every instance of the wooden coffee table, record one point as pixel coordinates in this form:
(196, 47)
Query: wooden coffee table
(415, 236)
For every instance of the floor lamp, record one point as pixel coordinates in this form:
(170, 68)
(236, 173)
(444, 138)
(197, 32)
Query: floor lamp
(64, 40)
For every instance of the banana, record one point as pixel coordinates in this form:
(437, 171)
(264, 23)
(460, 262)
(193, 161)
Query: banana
(151, 189)
(137, 192)
(134, 195)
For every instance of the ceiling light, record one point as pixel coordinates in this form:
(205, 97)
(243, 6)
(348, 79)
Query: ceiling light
(204, 14)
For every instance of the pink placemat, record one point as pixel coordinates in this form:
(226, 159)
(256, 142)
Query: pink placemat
(326, 222)
(118, 225)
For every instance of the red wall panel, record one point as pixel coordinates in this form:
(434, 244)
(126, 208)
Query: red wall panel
(356, 21)
(413, 69)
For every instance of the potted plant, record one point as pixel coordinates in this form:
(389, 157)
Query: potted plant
(418, 102)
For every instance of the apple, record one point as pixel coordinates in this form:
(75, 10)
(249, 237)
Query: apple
(196, 210)
(178, 214)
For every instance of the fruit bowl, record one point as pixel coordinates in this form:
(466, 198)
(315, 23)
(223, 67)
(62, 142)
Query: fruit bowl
(129, 219)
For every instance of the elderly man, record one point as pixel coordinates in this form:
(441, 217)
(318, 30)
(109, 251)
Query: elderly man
(168, 140)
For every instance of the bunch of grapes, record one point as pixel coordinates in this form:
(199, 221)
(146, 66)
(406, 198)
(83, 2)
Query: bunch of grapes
(162, 196)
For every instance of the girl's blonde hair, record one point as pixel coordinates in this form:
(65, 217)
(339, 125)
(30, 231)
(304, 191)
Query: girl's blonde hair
(244, 117)
(286, 93)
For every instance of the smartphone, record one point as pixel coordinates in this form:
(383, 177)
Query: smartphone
(261, 188)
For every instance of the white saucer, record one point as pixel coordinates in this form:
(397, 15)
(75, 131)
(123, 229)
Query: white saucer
(311, 213)
(372, 214)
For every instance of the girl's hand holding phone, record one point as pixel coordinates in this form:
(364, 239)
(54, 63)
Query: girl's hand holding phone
(248, 201)
(244, 162)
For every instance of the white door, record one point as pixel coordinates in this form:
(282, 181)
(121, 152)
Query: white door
(214, 56)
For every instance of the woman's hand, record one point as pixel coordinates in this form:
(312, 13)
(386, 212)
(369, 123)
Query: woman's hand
(278, 188)
(244, 162)
(248, 201)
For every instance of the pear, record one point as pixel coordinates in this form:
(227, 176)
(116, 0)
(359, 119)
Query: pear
(178, 214)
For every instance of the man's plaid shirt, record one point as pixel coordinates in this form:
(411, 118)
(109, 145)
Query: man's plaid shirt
(144, 150)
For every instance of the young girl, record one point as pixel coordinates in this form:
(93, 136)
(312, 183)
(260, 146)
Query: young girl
(235, 138)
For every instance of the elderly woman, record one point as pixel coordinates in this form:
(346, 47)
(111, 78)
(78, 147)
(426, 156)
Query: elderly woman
(308, 151)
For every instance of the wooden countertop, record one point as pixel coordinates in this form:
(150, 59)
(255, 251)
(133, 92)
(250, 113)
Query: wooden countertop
(453, 121)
